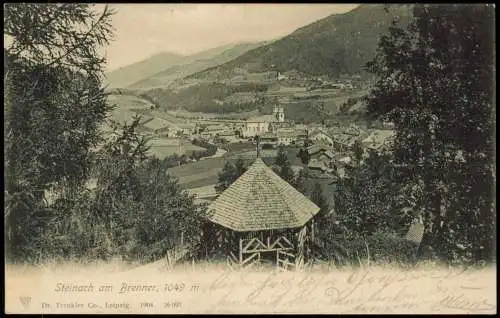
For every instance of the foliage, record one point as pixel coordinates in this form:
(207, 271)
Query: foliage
(379, 248)
(267, 146)
(230, 173)
(357, 150)
(210, 149)
(304, 156)
(281, 157)
(283, 165)
(202, 97)
(323, 217)
(299, 182)
(435, 83)
(344, 108)
(70, 193)
(167, 211)
(54, 104)
(370, 199)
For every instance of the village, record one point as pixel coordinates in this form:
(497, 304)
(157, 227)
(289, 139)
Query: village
(203, 145)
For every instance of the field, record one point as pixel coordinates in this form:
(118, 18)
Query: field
(205, 172)
(127, 106)
(198, 174)
(203, 287)
(198, 115)
(164, 147)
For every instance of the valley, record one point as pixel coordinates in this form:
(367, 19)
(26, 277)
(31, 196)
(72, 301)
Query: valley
(195, 108)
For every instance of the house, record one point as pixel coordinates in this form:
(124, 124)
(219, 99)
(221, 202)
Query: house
(378, 140)
(301, 135)
(282, 77)
(269, 139)
(301, 127)
(320, 152)
(337, 86)
(206, 136)
(387, 124)
(186, 129)
(211, 131)
(181, 129)
(345, 160)
(320, 136)
(316, 165)
(286, 137)
(262, 124)
(343, 142)
(226, 136)
(353, 130)
(158, 126)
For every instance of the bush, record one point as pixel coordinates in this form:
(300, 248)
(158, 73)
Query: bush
(380, 248)
(267, 146)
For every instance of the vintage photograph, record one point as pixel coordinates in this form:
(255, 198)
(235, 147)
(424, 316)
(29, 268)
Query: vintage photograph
(249, 158)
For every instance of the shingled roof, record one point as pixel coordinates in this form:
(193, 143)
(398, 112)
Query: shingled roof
(261, 200)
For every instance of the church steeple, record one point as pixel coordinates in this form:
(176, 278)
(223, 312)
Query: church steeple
(281, 115)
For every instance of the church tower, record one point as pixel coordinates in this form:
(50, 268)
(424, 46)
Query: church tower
(275, 111)
(281, 115)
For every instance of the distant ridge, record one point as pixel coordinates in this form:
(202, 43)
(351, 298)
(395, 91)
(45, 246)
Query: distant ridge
(337, 44)
(162, 68)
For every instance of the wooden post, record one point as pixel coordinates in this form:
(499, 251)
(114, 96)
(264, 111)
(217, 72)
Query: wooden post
(241, 251)
(312, 230)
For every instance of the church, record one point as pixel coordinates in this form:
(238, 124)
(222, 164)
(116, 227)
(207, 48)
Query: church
(256, 126)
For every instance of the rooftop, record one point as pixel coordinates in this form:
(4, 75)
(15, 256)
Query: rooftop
(262, 119)
(317, 147)
(156, 123)
(261, 200)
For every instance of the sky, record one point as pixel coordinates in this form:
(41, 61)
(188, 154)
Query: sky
(142, 30)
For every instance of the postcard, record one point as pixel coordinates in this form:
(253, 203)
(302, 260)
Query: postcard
(249, 158)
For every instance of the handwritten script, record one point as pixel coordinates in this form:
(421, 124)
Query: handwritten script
(372, 290)
(355, 292)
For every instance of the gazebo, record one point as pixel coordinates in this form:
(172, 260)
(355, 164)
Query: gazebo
(264, 216)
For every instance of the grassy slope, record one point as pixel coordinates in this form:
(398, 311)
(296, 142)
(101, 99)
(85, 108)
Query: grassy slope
(127, 106)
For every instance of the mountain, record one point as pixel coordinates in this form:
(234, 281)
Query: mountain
(337, 44)
(195, 63)
(163, 68)
(130, 74)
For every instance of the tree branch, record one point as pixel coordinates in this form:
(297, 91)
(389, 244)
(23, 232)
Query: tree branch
(85, 37)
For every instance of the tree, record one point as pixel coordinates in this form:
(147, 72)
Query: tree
(299, 182)
(435, 84)
(230, 173)
(167, 212)
(322, 218)
(370, 198)
(307, 142)
(54, 105)
(284, 168)
(281, 157)
(357, 150)
(304, 156)
(319, 199)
